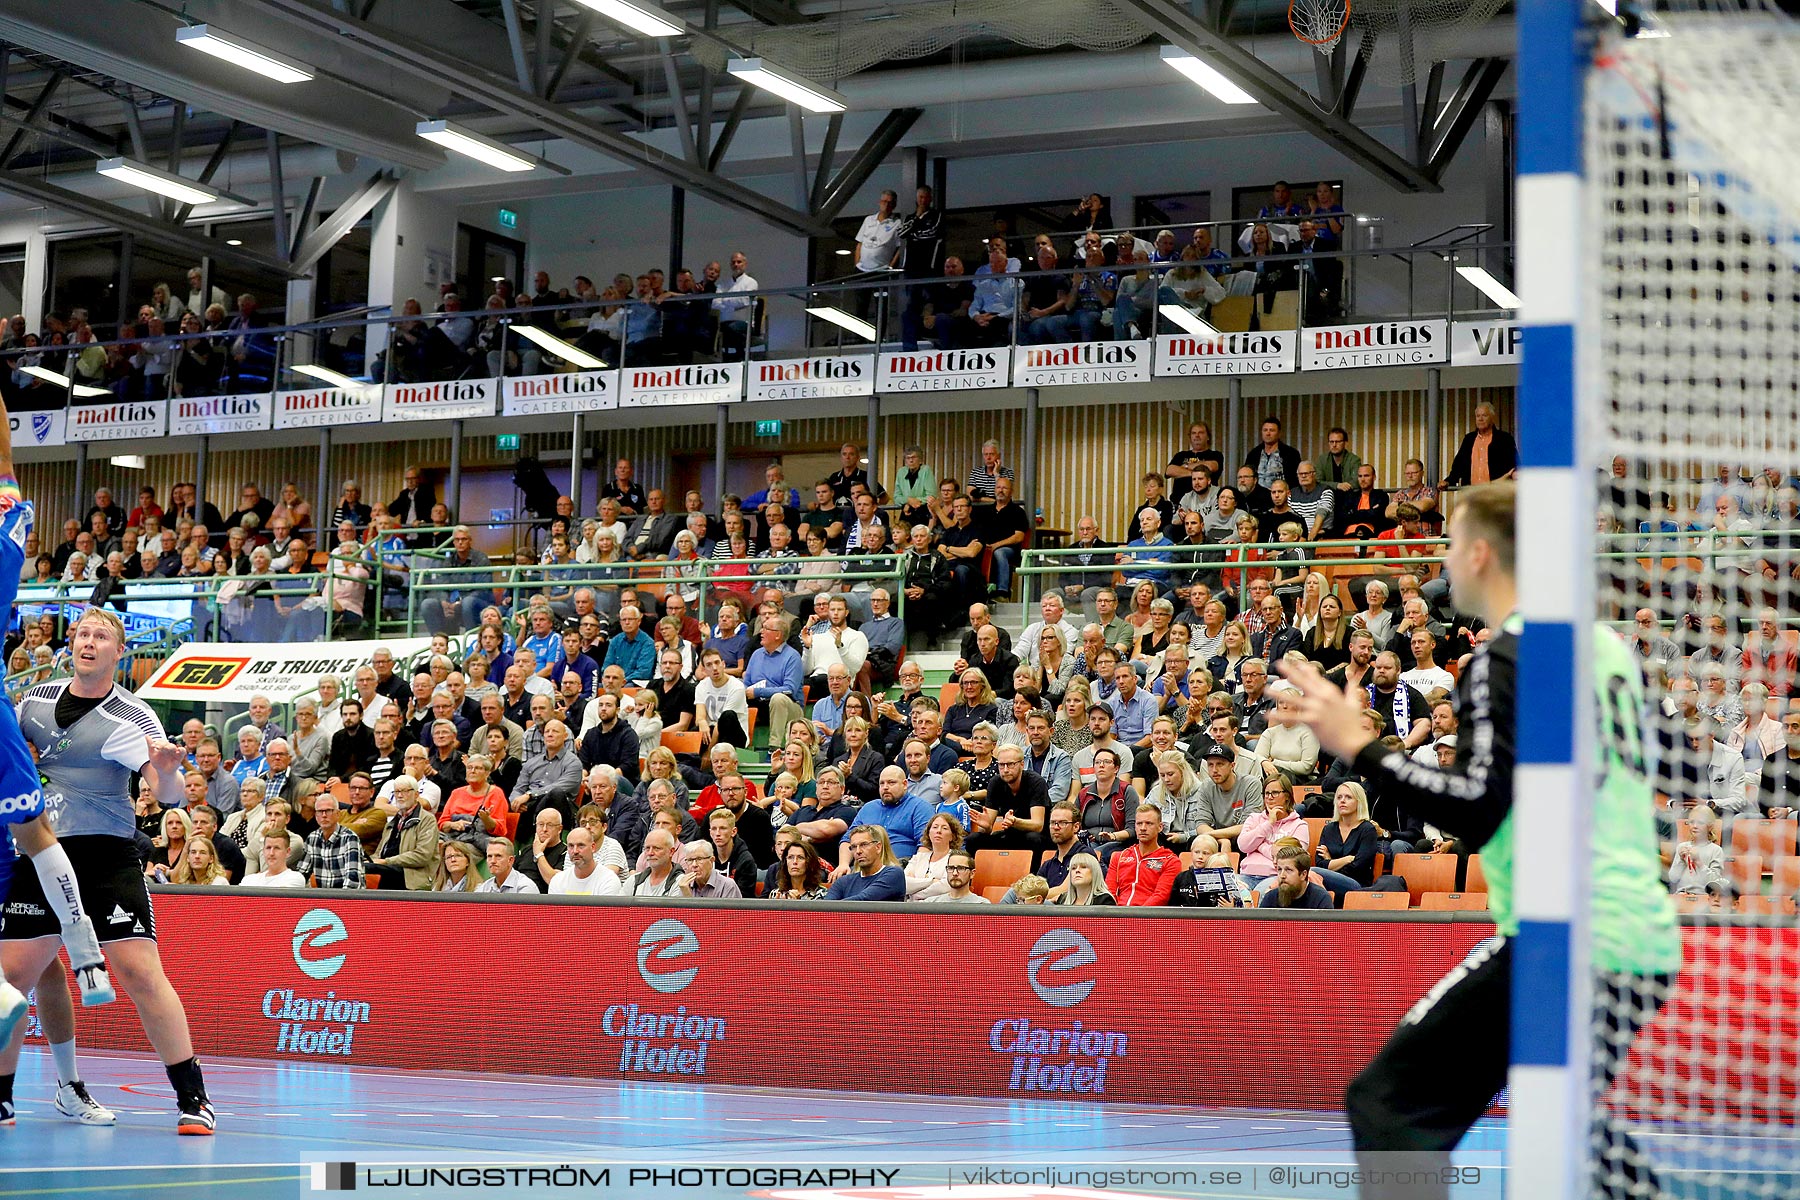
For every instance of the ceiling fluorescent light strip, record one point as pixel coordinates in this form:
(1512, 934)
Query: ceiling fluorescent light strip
(467, 142)
(243, 53)
(780, 81)
(646, 19)
(1207, 76)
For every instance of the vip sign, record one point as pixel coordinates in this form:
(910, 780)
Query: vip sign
(38, 428)
(1485, 343)
(117, 421)
(221, 414)
(942, 370)
(456, 399)
(1268, 353)
(316, 408)
(567, 392)
(1065, 364)
(1381, 344)
(660, 387)
(812, 378)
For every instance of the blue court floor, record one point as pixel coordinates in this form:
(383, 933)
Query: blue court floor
(278, 1120)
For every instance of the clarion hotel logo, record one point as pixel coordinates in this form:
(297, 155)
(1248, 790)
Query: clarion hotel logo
(439, 393)
(1062, 970)
(680, 377)
(1370, 337)
(114, 414)
(810, 368)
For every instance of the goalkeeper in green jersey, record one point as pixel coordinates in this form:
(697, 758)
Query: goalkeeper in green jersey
(1444, 1065)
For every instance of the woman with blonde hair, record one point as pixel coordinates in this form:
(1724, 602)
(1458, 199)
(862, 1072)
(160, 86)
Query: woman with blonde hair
(171, 847)
(974, 704)
(1070, 733)
(456, 869)
(1086, 884)
(1312, 591)
(1175, 788)
(199, 865)
(661, 763)
(796, 759)
(1227, 665)
(1345, 859)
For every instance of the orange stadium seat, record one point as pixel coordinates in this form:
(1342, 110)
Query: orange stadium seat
(1454, 901)
(1476, 878)
(1000, 868)
(1688, 902)
(1787, 876)
(1315, 827)
(1769, 838)
(1765, 906)
(995, 892)
(1377, 901)
(1745, 872)
(1426, 873)
(682, 743)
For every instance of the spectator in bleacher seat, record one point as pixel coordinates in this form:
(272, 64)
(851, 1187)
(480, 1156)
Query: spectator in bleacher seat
(823, 818)
(772, 677)
(1651, 645)
(457, 870)
(1100, 737)
(251, 503)
(1047, 301)
(107, 507)
(1713, 773)
(1261, 831)
(1769, 657)
(1416, 492)
(1313, 500)
(1487, 453)
(361, 814)
(352, 746)
(1697, 866)
(1321, 276)
(407, 848)
(333, 852)
(963, 546)
(1287, 746)
(1227, 665)
(350, 507)
(1403, 710)
(996, 301)
(1293, 885)
(1084, 573)
(221, 785)
(1778, 786)
(1143, 873)
(1756, 734)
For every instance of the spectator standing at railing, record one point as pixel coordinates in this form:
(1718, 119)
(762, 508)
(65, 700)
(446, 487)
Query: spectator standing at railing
(350, 507)
(1487, 452)
(1271, 458)
(1321, 276)
(1198, 452)
(878, 248)
(733, 309)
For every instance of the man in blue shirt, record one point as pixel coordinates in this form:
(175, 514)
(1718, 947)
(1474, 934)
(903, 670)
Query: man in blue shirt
(543, 644)
(825, 820)
(989, 322)
(631, 649)
(1047, 760)
(828, 710)
(902, 815)
(884, 632)
(1150, 547)
(875, 873)
(921, 780)
(573, 660)
(1133, 708)
(772, 677)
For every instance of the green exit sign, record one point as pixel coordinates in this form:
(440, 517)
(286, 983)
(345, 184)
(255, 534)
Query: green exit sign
(506, 441)
(768, 429)
(509, 219)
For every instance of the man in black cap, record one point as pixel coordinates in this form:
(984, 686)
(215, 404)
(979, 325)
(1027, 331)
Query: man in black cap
(1227, 796)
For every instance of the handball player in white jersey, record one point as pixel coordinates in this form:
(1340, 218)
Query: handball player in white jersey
(90, 735)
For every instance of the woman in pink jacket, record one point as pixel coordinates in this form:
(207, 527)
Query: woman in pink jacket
(1256, 841)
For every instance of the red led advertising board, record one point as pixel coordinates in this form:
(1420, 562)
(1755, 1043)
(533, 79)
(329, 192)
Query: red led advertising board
(981, 1002)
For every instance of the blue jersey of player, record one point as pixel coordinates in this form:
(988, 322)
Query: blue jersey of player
(20, 798)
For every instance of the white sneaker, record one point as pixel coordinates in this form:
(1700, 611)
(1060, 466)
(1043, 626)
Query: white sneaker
(72, 1100)
(13, 1008)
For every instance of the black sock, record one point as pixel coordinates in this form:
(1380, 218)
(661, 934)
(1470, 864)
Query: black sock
(6, 1082)
(186, 1079)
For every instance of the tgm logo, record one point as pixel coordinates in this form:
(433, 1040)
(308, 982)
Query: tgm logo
(316, 929)
(1055, 955)
(664, 942)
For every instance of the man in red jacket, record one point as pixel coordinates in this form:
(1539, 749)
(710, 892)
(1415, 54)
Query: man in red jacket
(1144, 872)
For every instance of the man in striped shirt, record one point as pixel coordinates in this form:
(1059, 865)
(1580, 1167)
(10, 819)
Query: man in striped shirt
(980, 484)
